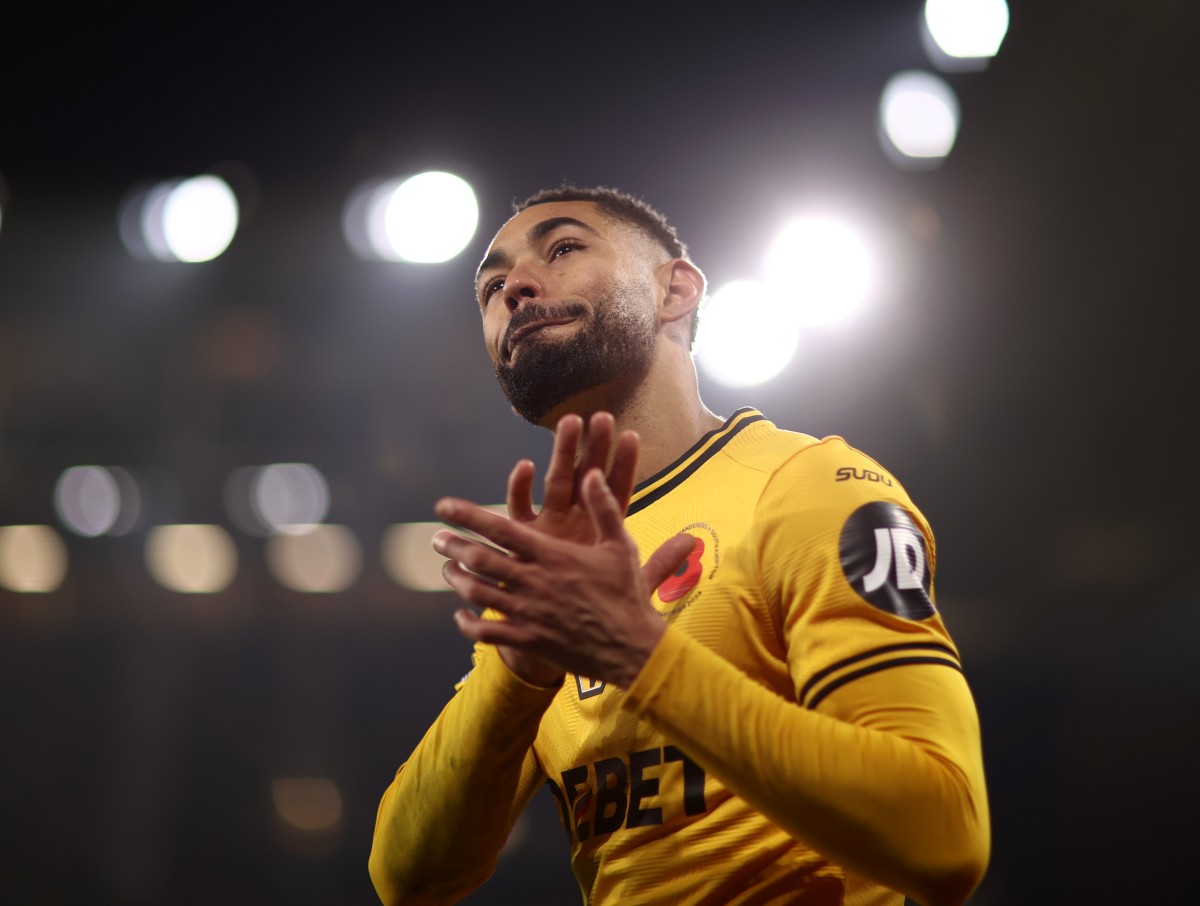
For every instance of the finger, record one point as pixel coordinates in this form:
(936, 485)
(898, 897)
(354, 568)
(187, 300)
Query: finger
(507, 534)
(607, 517)
(481, 559)
(664, 561)
(599, 440)
(520, 491)
(491, 632)
(624, 467)
(560, 475)
(474, 590)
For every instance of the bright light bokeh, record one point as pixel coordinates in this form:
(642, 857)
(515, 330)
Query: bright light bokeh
(94, 500)
(199, 218)
(747, 335)
(967, 29)
(309, 804)
(822, 267)
(87, 500)
(327, 558)
(193, 559)
(189, 220)
(409, 558)
(919, 116)
(33, 558)
(425, 219)
(289, 497)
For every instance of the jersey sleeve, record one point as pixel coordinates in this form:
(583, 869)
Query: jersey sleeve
(875, 761)
(848, 562)
(445, 817)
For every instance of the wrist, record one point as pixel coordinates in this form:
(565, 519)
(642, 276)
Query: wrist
(639, 653)
(531, 670)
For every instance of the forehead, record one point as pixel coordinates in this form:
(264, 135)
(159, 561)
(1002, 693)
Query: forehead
(517, 231)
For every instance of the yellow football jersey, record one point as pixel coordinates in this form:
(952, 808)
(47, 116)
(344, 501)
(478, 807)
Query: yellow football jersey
(759, 756)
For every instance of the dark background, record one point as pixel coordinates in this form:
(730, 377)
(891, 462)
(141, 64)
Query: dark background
(1028, 372)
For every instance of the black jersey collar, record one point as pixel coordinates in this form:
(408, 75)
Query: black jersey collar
(661, 483)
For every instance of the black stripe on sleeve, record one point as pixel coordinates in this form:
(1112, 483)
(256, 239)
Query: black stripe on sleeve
(874, 652)
(875, 668)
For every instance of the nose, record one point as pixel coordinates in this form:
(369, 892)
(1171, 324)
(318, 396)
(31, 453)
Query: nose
(521, 284)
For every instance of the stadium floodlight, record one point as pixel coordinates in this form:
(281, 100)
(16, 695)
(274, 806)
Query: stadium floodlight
(94, 500)
(33, 559)
(327, 558)
(918, 119)
(747, 334)
(425, 219)
(409, 558)
(289, 497)
(193, 559)
(822, 267)
(190, 220)
(963, 34)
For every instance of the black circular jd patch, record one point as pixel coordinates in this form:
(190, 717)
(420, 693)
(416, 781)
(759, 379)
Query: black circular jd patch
(884, 559)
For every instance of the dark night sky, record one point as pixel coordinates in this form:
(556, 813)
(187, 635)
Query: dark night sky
(1029, 374)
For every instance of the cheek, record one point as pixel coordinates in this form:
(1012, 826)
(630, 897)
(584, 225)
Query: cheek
(493, 330)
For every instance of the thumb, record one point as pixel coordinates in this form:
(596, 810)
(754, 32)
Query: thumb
(664, 561)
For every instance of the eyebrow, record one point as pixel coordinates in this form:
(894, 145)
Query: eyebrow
(537, 232)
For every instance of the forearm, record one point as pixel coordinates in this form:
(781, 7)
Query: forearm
(878, 803)
(446, 815)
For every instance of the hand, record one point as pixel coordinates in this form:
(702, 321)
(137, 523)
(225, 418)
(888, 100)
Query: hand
(563, 513)
(582, 607)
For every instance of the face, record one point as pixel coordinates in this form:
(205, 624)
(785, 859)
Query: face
(568, 298)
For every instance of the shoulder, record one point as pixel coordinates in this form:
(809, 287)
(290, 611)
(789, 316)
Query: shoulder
(827, 482)
(801, 462)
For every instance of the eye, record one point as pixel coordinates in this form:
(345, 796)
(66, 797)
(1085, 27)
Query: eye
(563, 246)
(490, 288)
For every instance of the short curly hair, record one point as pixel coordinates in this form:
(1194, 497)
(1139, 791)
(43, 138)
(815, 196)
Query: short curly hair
(622, 206)
(618, 204)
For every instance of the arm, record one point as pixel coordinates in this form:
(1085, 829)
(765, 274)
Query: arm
(446, 815)
(883, 773)
(448, 812)
(875, 761)
(870, 789)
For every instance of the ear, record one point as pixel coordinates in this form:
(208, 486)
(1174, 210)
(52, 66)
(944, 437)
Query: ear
(684, 287)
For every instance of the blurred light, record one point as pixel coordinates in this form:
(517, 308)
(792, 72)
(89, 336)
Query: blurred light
(195, 559)
(87, 500)
(747, 335)
(311, 804)
(327, 558)
(289, 497)
(964, 34)
(822, 268)
(189, 220)
(918, 116)
(93, 500)
(409, 557)
(427, 218)
(33, 558)
(239, 501)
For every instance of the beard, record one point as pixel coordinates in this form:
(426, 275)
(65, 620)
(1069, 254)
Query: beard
(613, 346)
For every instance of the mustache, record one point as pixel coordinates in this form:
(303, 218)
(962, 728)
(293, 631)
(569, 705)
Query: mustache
(533, 312)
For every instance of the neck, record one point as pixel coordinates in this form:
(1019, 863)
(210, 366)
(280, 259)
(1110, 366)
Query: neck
(664, 408)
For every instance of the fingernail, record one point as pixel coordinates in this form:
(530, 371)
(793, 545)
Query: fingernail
(445, 508)
(439, 544)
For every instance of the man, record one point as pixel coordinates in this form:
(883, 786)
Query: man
(721, 654)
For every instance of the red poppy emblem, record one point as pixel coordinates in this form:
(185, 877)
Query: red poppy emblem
(685, 578)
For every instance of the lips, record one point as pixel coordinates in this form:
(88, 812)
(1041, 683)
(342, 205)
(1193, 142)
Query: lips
(528, 329)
